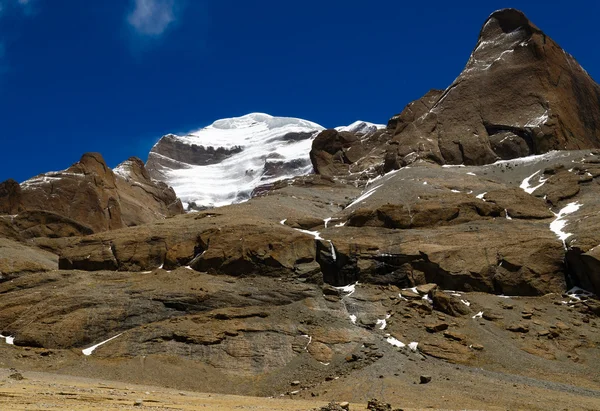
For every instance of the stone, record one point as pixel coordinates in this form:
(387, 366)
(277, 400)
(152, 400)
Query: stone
(518, 328)
(436, 327)
(376, 405)
(410, 295)
(491, 316)
(450, 351)
(425, 289)
(425, 379)
(320, 352)
(456, 336)
(16, 376)
(448, 304)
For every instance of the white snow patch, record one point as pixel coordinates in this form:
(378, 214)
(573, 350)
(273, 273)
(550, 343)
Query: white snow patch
(8, 339)
(478, 315)
(353, 318)
(282, 222)
(480, 196)
(326, 221)
(395, 342)
(348, 289)
(341, 224)
(309, 341)
(89, 351)
(455, 191)
(576, 293)
(526, 185)
(560, 222)
(465, 302)
(382, 323)
(363, 127)
(507, 216)
(315, 234)
(471, 174)
(538, 121)
(413, 346)
(364, 196)
(333, 254)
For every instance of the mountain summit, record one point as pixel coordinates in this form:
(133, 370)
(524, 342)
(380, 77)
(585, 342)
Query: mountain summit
(519, 94)
(223, 163)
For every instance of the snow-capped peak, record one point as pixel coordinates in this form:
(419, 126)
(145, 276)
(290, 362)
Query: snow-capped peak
(261, 120)
(224, 162)
(362, 127)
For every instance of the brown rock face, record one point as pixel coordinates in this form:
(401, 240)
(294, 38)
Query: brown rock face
(10, 197)
(519, 94)
(87, 197)
(143, 199)
(351, 155)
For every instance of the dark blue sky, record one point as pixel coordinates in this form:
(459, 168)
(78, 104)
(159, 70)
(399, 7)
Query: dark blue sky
(114, 75)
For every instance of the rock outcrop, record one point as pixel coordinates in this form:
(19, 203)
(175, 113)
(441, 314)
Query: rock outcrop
(85, 198)
(520, 94)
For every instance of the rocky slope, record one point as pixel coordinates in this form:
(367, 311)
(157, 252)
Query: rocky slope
(398, 258)
(87, 197)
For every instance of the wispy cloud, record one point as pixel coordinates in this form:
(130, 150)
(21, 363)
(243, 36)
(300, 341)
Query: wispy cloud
(152, 18)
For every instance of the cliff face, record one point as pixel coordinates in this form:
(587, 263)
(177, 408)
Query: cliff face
(519, 94)
(85, 198)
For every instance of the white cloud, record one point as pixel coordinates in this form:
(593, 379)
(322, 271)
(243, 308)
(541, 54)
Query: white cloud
(152, 17)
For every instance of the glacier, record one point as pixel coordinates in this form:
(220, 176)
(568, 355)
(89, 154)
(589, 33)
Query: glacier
(225, 162)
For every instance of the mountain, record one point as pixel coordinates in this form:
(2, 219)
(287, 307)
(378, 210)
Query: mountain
(225, 162)
(519, 94)
(87, 197)
(457, 247)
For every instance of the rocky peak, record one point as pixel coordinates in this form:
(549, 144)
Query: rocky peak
(519, 94)
(133, 168)
(87, 197)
